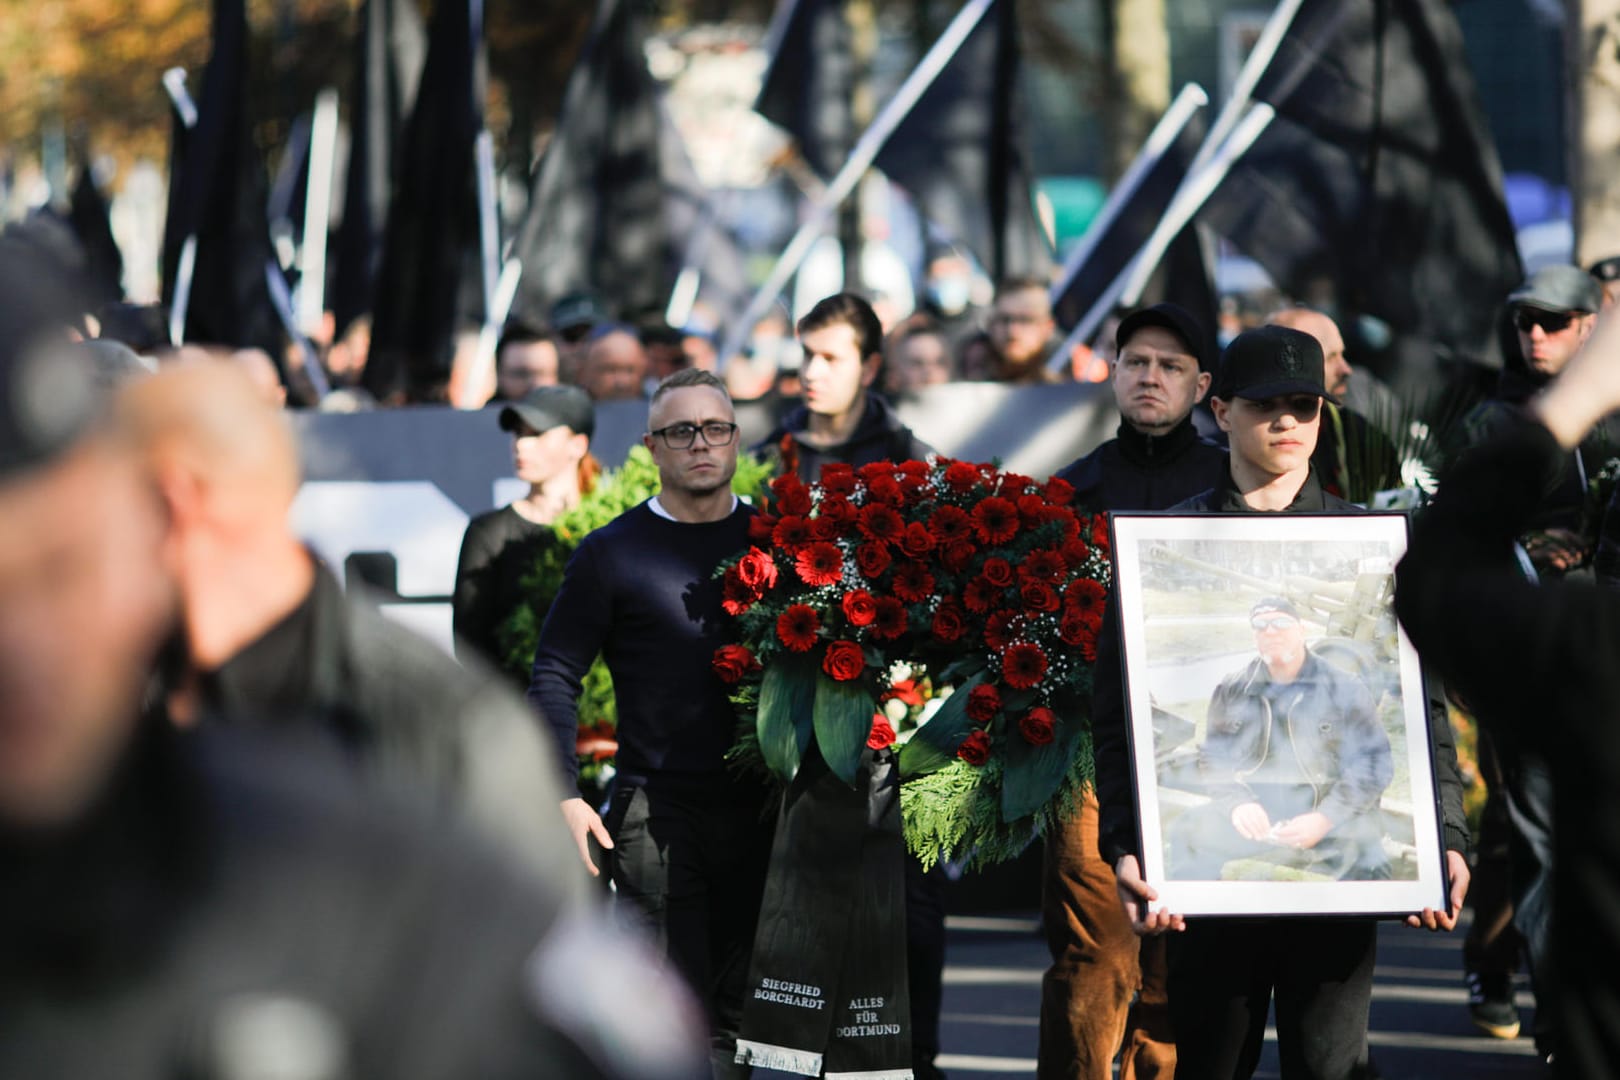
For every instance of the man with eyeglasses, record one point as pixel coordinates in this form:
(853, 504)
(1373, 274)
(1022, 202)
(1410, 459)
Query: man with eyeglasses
(1023, 331)
(1294, 758)
(686, 845)
(1224, 973)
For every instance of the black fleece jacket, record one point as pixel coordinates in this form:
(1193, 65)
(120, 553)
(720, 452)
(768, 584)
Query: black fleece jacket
(1545, 656)
(1134, 471)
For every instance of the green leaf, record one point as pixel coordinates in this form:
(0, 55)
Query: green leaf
(934, 745)
(964, 668)
(786, 717)
(843, 720)
(1034, 773)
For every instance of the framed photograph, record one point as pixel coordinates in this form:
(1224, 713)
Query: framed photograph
(1279, 730)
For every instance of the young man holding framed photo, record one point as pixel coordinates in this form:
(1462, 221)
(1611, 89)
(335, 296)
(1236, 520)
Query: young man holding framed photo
(1224, 973)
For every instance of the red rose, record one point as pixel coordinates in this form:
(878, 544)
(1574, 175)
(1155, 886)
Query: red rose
(838, 478)
(1059, 491)
(873, 470)
(917, 541)
(1016, 482)
(735, 595)
(1075, 553)
(950, 622)
(1038, 596)
(873, 558)
(950, 524)
(1042, 564)
(823, 528)
(975, 749)
(961, 477)
(1086, 597)
(757, 570)
(859, 608)
(879, 522)
(913, 468)
(1099, 531)
(891, 620)
(886, 489)
(1023, 666)
(838, 510)
(1001, 629)
(791, 533)
(796, 627)
(998, 572)
(912, 583)
(760, 527)
(980, 596)
(882, 733)
(957, 556)
(844, 661)
(1032, 509)
(1036, 726)
(984, 701)
(995, 520)
(792, 497)
(732, 662)
(1074, 628)
(820, 564)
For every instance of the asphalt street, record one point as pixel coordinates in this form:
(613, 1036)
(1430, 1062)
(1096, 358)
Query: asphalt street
(1419, 1026)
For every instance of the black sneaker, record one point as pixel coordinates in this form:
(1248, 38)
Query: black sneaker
(1490, 1004)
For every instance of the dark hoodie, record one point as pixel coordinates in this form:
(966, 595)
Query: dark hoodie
(1135, 471)
(879, 436)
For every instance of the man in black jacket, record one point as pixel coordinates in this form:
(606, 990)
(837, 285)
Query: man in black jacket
(206, 904)
(1161, 371)
(1224, 973)
(841, 418)
(1544, 656)
(269, 635)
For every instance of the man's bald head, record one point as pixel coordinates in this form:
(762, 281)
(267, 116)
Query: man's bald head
(1335, 369)
(208, 427)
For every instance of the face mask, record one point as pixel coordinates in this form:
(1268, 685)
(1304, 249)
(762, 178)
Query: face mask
(950, 295)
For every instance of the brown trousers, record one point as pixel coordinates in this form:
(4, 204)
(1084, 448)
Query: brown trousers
(1098, 964)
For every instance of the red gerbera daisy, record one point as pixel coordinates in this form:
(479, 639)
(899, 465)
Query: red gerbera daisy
(796, 627)
(980, 596)
(1085, 596)
(1001, 629)
(879, 522)
(950, 524)
(1023, 666)
(995, 520)
(891, 619)
(791, 533)
(736, 596)
(912, 582)
(1042, 564)
(820, 564)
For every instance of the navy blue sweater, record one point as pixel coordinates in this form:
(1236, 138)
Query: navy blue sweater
(641, 591)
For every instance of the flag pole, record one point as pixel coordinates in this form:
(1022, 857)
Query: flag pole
(317, 212)
(174, 83)
(860, 159)
(1254, 66)
(1164, 134)
(1189, 199)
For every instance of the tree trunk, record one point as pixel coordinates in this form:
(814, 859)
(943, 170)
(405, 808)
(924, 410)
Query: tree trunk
(1136, 78)
(1593, 48)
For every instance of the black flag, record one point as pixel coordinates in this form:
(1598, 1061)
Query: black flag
(1123, 236)
(596, 220)
(958, 153)
(1378, 183)
(430, 249)
(218, 199)
(103, 264)
(391, 47)
(806, 88)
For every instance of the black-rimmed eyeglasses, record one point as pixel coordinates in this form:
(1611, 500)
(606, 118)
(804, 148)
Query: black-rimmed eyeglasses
(682, 436)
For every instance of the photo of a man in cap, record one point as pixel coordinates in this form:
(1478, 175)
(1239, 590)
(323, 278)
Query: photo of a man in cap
(1294, 758)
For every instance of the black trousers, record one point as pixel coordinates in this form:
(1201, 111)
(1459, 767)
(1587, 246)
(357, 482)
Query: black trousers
(1224, 974)
(689, 862)
(925, 962)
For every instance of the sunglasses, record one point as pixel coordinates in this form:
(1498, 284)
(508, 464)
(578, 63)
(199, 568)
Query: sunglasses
(1276, 622)
(1551, 322)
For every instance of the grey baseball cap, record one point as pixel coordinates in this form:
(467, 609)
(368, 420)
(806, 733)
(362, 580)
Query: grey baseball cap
(546, 407)
(1559, 289)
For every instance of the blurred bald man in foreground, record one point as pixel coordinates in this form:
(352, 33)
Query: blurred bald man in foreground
(268, 633)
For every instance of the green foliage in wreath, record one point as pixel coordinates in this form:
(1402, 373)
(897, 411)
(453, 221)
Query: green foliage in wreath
(616, 491)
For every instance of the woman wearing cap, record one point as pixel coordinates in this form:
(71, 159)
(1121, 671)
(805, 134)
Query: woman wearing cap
(551, 429)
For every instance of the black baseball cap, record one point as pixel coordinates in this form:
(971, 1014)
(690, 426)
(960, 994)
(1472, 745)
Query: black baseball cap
(546, 407)
(1559, 289)
(574, 311)
(1271, 361)
(1273, 605)
(1174, 318)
